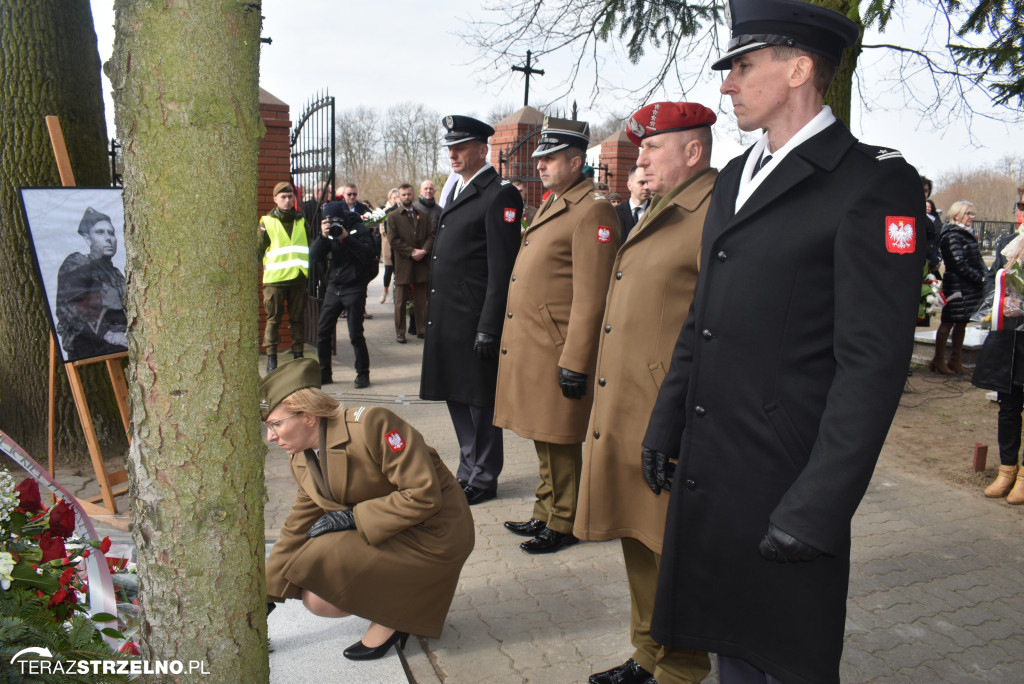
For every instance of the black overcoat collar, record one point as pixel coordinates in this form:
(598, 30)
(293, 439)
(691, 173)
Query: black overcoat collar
(822, 152)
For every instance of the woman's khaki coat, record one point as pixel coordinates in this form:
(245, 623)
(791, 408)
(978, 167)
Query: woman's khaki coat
(555, 301)
(414, 531)
(651, 289)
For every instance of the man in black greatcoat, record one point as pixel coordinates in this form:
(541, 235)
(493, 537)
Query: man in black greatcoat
(790, 366)
(474, 250)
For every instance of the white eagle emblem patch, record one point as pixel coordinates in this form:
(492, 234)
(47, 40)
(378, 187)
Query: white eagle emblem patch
(510, 216)
(604, 234)
(395, 441)
(900, 234)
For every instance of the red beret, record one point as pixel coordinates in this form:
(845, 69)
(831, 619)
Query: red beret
(665, 117)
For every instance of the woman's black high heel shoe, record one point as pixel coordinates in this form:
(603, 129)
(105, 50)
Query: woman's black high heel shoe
(359, 651)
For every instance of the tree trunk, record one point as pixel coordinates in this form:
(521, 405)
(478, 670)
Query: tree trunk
(50, 65)
(840, 94)
(185, 81)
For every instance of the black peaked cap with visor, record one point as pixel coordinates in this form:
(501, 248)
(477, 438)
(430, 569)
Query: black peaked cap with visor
(757, 24)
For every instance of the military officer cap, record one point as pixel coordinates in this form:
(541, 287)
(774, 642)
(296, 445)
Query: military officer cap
(463, 129)
(283, 186)
(89, 219)
(666, 117)
(286, 379)
(558, 134)
(760, 23)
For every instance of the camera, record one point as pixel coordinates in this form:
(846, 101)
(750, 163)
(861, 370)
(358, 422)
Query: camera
(337, 225)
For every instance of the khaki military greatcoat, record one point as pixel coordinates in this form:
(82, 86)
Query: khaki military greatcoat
(648, 299)
(553, 319)
(414, 531)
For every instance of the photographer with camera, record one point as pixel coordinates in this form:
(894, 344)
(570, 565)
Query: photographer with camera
(347, 245)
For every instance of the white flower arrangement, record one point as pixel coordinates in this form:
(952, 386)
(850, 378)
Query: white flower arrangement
(6, 566)
(374, 216)
(8, 497)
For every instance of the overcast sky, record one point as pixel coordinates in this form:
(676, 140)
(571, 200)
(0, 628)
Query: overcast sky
(384, 52)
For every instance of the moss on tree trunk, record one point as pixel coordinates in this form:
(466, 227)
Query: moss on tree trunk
(49, 65)
(185, 78)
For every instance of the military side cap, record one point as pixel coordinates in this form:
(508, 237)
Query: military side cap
(282, 187)
(760, 23)
(665, 117)
(558, 134)
(463, 129)
(286, 379)
(90, 218)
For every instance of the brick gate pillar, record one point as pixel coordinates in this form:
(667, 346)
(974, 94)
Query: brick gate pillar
(521, 166)
(274, 167)
(620, 154)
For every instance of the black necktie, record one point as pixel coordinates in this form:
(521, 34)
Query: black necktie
(636, 213)
(765, 158)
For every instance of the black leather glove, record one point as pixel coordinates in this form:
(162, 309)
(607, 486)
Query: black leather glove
(657, 470)
(486, 346)
(783, 547)
(573, 384)
(334, 521)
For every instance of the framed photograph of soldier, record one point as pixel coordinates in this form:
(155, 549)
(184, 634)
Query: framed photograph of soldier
(77, 238)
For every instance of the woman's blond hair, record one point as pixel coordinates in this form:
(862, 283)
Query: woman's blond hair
(314, 402)
(958, 210)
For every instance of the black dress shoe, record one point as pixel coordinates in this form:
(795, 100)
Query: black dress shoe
(326, 378)
(531, 528)
(475, 495)
(626, 673)
(358, 651)
(548, 541)
(362, 380)
(400, 339)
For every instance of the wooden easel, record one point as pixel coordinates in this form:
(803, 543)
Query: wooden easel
(111, 483)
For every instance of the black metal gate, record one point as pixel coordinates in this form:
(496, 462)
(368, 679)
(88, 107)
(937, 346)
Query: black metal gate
(312, 155)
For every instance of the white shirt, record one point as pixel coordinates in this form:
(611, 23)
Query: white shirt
(461, 184)
(749, 182)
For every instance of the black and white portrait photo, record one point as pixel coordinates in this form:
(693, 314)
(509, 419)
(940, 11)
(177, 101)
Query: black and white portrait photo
(77, 234)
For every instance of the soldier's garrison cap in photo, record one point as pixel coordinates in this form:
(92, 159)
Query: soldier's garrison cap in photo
(558, 134)
(757, 24)
(666, 117)
(286, 379)
(463, 129)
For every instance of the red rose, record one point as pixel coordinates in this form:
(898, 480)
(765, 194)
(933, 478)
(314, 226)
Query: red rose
(66, 576)
(58, 597)
(28, 495)
(52, 547)
(105, 545)
(62, 520)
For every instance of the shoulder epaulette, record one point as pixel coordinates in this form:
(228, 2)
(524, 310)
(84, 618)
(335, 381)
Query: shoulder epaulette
(353, 415)
(506, 182)
(880, 153)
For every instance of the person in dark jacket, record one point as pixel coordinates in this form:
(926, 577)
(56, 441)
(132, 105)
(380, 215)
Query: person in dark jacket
(346, 239)
(1000, 367)
(474, 250)
(790, 366)
(962, 285)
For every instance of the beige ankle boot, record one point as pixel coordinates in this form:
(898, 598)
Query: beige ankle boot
(1016, 496)
(1003, 482)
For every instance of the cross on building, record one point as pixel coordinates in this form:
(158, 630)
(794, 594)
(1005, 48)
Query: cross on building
(528, 70)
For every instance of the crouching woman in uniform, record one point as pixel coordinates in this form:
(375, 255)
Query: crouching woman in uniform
(379, 527)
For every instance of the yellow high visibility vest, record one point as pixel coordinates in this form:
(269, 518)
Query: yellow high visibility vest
(287, 257)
